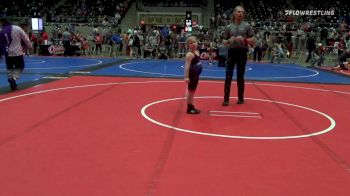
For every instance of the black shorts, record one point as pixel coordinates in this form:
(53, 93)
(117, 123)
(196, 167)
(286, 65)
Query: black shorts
(15, 62)
(194, 72)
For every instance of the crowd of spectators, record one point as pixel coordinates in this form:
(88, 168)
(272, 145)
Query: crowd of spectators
(175, 3)
(279, 36)
(99, 11)
(71, 11)
(25, 7)
(274, 10)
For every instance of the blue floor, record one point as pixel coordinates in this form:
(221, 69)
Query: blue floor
(24, 78)
(39, 67)
(254, 71)
(58, 65)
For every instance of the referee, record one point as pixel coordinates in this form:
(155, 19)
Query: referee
(237, 35)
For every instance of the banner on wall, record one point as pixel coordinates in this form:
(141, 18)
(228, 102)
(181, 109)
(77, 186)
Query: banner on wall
(159, 19)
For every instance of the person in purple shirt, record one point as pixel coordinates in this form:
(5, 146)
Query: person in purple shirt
(12, 41)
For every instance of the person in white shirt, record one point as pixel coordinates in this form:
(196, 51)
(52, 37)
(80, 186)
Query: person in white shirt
(12, 42)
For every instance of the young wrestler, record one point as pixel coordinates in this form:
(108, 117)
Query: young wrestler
(193, 69)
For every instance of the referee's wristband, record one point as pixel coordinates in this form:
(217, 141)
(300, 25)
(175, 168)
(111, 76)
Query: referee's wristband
(246, 41)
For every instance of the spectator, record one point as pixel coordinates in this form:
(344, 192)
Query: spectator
(11, 39)
(169, 45)
(278, 53)
(44, 37)
(98, 43)
(342, 61)
(117, 44)
(135, 44)
(310, 46)
(318, 55)
(66, 36)
(149, 50)
(162, 52)
(85, 46)
(34, 41)
(258, 47)
(223, 49)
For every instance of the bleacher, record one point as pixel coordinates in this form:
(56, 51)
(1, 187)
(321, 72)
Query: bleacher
(174, 3)
(70, 11)
(273, 10)
(24, 7)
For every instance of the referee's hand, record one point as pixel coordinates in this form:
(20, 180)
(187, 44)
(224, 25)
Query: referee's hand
(238, 39)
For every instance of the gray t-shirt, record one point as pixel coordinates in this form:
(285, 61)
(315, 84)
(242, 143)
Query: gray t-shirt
(66, 36)
(243, 29)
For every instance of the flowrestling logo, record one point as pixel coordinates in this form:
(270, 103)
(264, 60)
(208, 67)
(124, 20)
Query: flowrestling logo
(309, 12)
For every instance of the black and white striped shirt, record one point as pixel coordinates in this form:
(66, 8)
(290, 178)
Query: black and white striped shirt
(243, 29)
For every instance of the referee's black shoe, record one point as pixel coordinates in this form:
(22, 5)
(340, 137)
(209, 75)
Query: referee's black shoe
(240, 101)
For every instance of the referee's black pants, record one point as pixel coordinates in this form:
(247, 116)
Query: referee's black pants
(236, 56)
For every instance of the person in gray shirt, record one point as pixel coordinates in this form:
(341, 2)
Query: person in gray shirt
(237, 35)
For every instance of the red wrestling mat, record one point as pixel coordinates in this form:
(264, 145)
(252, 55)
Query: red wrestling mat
(95, 136)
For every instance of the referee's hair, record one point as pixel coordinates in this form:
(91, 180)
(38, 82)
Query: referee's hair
(234, 10)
